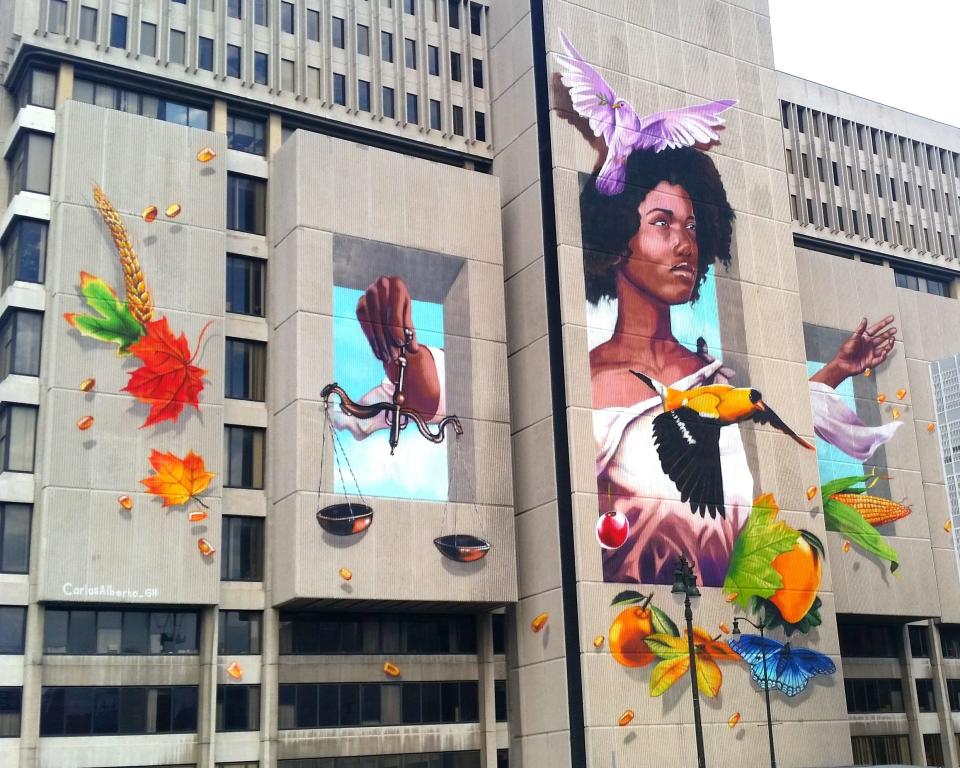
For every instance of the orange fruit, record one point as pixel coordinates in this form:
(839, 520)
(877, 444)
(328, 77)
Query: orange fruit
(801, 570)
(628, 634)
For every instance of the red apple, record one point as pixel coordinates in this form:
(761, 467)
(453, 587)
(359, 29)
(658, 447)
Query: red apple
(612, 529)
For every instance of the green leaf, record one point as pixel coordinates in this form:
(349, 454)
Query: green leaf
(667, 646)
(844, 519)
(772, 619)
(751, 572)
(628, 597)
(844, 485)
(113, 322)
(663, 624)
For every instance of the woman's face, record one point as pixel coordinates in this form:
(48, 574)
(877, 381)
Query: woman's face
(663, 254)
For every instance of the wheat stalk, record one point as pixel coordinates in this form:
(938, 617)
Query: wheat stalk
(138, 297)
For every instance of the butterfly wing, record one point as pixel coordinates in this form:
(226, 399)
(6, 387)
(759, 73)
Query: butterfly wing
(798, 666)
(689, 449)
(753, 649)
(683, 127)
(591, 95)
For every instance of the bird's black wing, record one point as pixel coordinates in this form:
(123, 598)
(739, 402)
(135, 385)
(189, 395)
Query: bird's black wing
(769, 416)
(689, 448)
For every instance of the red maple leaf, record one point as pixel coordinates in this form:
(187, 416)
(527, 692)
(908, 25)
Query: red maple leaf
(167, 380)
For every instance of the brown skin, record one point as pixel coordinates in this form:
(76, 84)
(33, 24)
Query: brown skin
(384, 311)
(867, 347)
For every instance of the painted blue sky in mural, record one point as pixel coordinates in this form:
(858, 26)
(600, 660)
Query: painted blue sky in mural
(832, 462)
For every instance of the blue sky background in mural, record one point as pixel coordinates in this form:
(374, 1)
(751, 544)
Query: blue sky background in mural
(690, 321)
(831, 461)
(418, 468)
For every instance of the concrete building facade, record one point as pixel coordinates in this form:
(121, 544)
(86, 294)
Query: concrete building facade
(217, 208)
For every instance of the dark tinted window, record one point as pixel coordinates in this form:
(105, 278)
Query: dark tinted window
(925, 698)
(477, 73)
(869, 640)
(246, 204)
(246, 369)
(389, 108)
(241, 555)
(24, 252)
(10, 703)
(238, 707)
(233, 60)
(261, 73)
(243, 459)
(322, 633)
(120, 631)
(18, 427)
(118, 31)
(15, 537)
(246, 134)
(286, 17)
(112, 710)
(313, 25)
(481, 124)
(20, 343)
(456, 73)
(873, 695)
(433, 59)
(413, 113)
(29, 164)
(246, 282)
(239, 633)
(339, 89)
(13, 625)
(919, 642)
(205, 53)
(39, 86)
(386, 46)
(337, 32)
(476, 19)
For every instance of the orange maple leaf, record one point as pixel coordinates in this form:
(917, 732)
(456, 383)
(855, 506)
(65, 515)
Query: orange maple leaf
(177, 480)
(167, 380)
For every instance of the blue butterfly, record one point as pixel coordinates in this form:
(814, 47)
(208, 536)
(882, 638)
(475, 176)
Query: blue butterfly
(788, 668)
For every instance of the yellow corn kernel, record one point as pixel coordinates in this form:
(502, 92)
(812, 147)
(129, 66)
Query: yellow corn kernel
(873, 509)
(391, 669)
(811, 492)
(206, 154)
(626, 718)
(901, 393)
(346, 574)
(85, 423)
(149, 213)
(87, 384)
(881, 398)
(539, 622)
(235, 670)
(173, 210)
(734, 719)
(948, 526)
(931, 427)
(846, 546)
(598, 641)
(126, 502)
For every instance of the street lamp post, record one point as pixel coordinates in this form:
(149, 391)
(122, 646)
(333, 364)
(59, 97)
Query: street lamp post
(685, 583)
(766, 682)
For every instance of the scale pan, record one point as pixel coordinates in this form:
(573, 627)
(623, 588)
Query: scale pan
(345, 519)
(462, 548)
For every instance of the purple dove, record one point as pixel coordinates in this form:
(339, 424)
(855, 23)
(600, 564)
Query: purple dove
(623, 130)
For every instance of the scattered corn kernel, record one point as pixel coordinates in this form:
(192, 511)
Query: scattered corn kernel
(895, 413)
(846, 546)
(948, 526)
(389, 668)
(198, 515)
(149, 213)
(539, 622)
(931, 427)
(346, 574)
(173, 210)
(85, 423)
(125, 501)
(811, 492)
(625, 718)
(734, 719)
(881, 398)
(205, 155)
(901, 393)
(598, 641)
(87, 384)
(206, 549)
(235, 670)
(724, 628)
(866, 372)
(731, 597)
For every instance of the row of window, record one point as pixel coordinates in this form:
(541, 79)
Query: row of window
(882, 641)
(467, 759)
(118, 710)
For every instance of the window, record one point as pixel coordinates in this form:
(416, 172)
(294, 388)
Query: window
(856, 222)
(20, 343)
(313, 25)
(805, 165)
(462, 759)
(881, 750)
(925, 698)
(820, 168)
(205, 53)
(241, 557)
(246, 204)
(883, 228)
(286, 17)
(481, 125)
(39, 87)
(233, 60)
(454, 8)
(500, 700)
(14, 537)
(836, 174)
(476, 19)
(24, 252)
(239, 633)
(10, 703)
(287, 75)
(337, 32)
(412, 109)
(13, 626)
(260, 12)
(29, 164)
(108, 96)
(950, 640)
(243, 457)
(455, 73)
(118, 31)
(873, 695)
(868, 640)
(363, 95)
(178, 45)
(933, 748)
(246, 135)
(499, 627)
(458, 120)
(410, 6)
(937, 287)
(410, 53)
(148, 39)
(386, 46)
(389, 107)
(826, 214)
(81, 711)
(339, 89)
(234, 11)
(870, 225)
(313, 82)
(353, 633)
(245, 369)
(953, 693)
(128, 631)
(57, 17)
(88, 23)
(840, 218)
(18, 427)
(238, 708)
(363, 40)
(477, 73)
(332, 705)
(435, 114)
(261, 67)
(433, 60)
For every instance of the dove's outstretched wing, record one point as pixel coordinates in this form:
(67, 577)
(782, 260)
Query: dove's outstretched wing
(592, 96)
(682, 127)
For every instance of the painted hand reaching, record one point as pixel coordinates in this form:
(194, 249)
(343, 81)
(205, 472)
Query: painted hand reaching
(866, 347)
(385, 312)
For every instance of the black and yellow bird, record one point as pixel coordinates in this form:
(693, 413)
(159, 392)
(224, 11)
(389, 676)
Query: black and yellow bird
(687, 436)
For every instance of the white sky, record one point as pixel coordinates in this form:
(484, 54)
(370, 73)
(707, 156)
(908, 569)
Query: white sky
(899, 53)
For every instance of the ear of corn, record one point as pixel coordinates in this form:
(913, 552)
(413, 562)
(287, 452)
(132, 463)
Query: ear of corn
(873, 509)
(138, 297)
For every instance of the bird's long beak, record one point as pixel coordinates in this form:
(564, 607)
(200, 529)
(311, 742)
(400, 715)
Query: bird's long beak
(760, 406)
